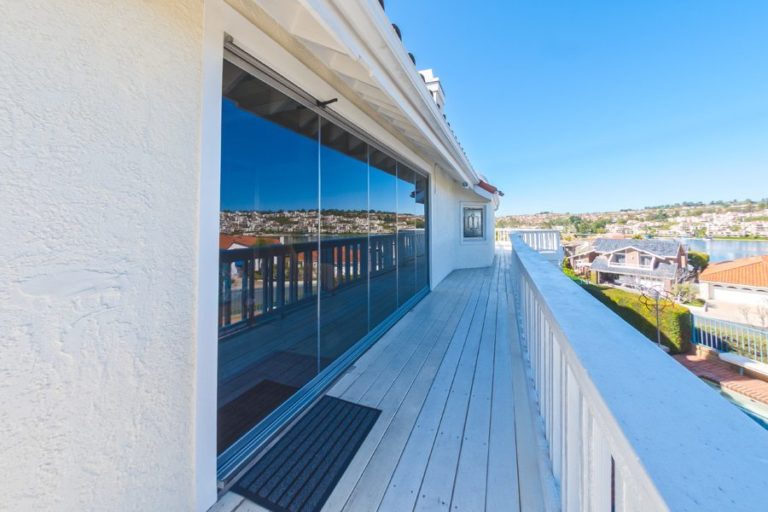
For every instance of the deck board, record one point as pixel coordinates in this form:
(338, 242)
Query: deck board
(501, 470)
(456, 430)
(401, 405)
(405, 481)
(437, 484)
(469, 486)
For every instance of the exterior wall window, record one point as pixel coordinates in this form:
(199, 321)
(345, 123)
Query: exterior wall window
(619, 258)
(473, 222)
(646, 261)
(323, 238)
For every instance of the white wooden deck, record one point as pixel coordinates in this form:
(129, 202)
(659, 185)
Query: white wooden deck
(457, 429)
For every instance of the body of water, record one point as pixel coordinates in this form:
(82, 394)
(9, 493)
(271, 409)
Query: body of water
(752, 408)
(723, 250)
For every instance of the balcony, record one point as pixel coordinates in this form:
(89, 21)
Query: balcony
(510, 388)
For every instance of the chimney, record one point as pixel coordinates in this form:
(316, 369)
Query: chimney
(434, 87)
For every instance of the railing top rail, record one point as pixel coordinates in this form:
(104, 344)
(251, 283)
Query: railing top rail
(681, 433)
(739, 325)
(228, 255)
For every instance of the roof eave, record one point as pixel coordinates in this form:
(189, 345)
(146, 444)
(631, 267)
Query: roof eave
(395, 63)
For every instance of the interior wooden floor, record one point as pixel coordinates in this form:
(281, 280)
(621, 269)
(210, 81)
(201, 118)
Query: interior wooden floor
(457, 429)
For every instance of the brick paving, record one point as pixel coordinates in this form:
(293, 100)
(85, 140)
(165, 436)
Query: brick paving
(726, 375)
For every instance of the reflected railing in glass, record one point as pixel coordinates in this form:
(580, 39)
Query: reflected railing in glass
(258, 282)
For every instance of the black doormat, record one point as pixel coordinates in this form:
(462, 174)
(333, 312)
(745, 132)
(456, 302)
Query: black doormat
(245, 411)
(299, 472)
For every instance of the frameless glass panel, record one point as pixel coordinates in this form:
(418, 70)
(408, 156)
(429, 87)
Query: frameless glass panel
(407, 218)
(268, 252)
(343, 241)
(383, 238)
(420, 231)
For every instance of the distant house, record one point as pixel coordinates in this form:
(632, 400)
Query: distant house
(651, 263)
(581, 256)
(229, 242)
(741, 281)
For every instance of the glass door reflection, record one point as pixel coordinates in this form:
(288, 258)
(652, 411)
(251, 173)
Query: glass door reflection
(343, 241)
(268, 252)
(383, 238)
(322, 238)
(407, 215)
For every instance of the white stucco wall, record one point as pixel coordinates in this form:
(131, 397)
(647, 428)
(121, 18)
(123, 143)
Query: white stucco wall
(99, 158)
(736, 295)
(448, 250)
(102, 376)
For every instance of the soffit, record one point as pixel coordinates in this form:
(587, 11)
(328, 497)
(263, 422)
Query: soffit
(345, 44)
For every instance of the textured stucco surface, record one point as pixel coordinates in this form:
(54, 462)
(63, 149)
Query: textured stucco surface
(99, 150)
(448, 251)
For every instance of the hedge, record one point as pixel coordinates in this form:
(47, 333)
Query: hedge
(675, 319)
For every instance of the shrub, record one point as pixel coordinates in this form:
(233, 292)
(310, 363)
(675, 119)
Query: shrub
(698, 260)
(675, 319)
(572, 274)
(686, 293)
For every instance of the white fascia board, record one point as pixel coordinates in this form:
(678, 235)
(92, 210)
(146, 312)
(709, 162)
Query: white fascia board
(483, 193)
(423, 113)
(646, 251)
(739, 286)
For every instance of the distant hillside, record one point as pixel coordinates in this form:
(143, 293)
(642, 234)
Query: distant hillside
(719, 219)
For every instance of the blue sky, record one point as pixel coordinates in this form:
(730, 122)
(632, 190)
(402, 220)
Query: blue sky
(600, 105)
(268, 167)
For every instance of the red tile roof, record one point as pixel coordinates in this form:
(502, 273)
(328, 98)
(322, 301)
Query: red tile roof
(226, 241)
(745, 271)
(489, 188)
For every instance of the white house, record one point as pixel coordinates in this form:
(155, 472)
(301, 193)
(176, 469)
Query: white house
(220, 215)
(740, 281)
(127, 130)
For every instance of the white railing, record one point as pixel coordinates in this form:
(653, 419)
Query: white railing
(627, 427)
(542, 240)
(503, 234)
(724, 336)
(545, 241)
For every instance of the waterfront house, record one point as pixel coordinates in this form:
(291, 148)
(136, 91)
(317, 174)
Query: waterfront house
(380, 353)
(580, 255)
(651, 263)
(739, 281)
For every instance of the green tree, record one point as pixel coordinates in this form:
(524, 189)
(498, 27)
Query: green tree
(700, 233)
(698, 260)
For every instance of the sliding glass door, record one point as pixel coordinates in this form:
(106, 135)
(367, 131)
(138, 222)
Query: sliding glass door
(343, 241)
(269, 252)
(323, 238)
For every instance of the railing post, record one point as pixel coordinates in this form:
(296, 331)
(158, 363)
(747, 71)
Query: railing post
(266, 280)
(250, 314)
(225, 292)
(346, 249)
(280, 281)
(308, 264)
(293, 278)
